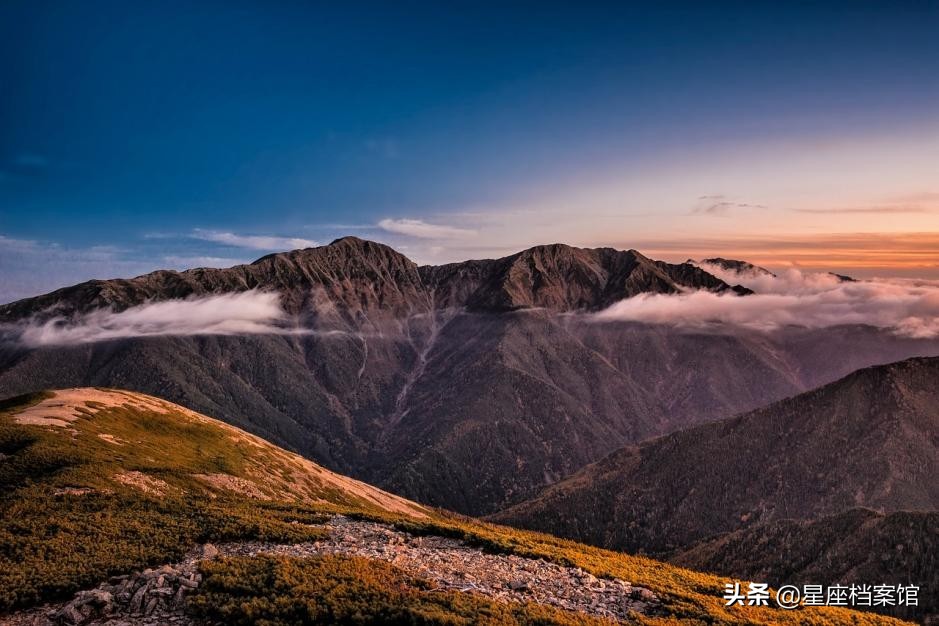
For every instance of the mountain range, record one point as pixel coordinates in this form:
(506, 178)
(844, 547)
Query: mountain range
(469, 386)
(491, 387)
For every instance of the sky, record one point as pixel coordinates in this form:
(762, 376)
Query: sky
(137, 136)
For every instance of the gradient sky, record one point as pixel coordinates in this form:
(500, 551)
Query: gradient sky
(138, 135)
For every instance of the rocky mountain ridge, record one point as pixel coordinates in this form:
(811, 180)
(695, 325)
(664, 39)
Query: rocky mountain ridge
(358, 277)
(469, 386)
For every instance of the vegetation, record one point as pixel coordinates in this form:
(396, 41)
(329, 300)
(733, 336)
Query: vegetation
(689, 596)
(279, 591)
(67, 522)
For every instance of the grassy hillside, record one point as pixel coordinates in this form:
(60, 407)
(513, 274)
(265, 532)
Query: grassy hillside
(100, 482)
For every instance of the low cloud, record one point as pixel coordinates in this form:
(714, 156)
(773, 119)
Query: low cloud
(423, 230)
(908, 308)
(245, 313)
(254, 242)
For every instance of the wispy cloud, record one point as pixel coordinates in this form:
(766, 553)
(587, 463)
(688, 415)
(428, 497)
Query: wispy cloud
(809, 300)
(17, 245)
(253, 242)
(720, 204)
(423, 230)
(250, 312)
(30, 267)
(186, 262)
(868, 209)
(918, 197)
(920, 206)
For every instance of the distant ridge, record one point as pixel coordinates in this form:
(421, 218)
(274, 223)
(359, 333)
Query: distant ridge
(869, 440)
(741, 267)
(365, 277)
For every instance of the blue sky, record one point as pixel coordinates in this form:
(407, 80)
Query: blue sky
(142, 135)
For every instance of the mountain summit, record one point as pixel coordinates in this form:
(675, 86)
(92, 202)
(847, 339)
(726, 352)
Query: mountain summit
(564, 278)
(356, 277)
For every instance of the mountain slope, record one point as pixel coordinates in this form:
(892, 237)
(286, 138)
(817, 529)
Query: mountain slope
(868, 440)
(563, 278)
(857, 545)
(99, 483)
(469, 386)
(163, 435)
(356, 277)
(781, 479)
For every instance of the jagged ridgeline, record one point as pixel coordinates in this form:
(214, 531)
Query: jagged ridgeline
(98, 484)
(469, 386)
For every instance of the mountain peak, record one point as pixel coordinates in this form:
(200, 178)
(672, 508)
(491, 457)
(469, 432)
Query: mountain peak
(350, 239)
(360, 276)
(562, 277)
(741, 267)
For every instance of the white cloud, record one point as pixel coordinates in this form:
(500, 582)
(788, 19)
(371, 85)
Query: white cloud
(254, 242)
(812, 300)
(186, 262)
(719, 204)
(249, 312)
(17, 245)
(423, 230)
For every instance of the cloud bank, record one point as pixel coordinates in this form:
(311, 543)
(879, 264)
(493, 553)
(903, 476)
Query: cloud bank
(908, 308)
(249, 312)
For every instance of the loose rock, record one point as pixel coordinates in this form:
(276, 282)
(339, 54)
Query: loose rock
(157, 596)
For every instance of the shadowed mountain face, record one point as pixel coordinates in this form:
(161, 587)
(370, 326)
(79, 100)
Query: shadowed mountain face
(784, 494)
(468, 386)
(859, 546)
(868, 440)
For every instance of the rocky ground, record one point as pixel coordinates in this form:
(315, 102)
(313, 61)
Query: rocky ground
(157, 596)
